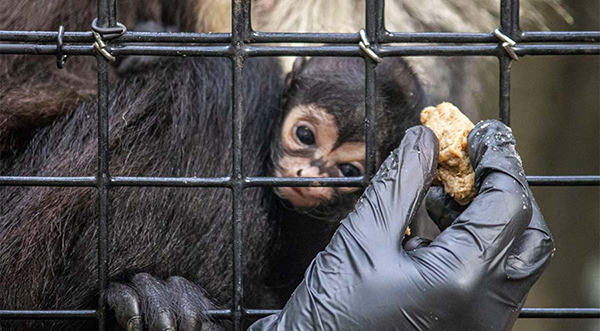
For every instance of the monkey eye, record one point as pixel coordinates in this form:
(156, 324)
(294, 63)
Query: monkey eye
(305, 135)
(348, 170)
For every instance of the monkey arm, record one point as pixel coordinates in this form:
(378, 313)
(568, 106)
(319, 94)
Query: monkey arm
(474, 276)
(22, 111)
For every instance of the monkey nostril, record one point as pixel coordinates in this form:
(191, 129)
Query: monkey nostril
(299, 173)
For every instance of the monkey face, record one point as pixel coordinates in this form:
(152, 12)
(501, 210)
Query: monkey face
(310, 148)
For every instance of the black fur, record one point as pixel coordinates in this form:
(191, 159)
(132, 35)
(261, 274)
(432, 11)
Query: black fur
(171, 121)
(33, 92)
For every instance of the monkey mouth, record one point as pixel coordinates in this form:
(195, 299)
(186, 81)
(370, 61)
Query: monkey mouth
(297, 190)
(300, 197)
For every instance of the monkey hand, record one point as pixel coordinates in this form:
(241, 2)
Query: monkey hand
(151, 304)
(474, 276)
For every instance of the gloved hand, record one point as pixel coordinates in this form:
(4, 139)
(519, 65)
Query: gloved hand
(474, 276)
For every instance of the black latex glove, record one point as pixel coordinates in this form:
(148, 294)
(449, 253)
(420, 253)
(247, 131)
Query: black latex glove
(474, 276)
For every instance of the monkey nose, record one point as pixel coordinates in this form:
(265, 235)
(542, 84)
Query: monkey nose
(310, 172)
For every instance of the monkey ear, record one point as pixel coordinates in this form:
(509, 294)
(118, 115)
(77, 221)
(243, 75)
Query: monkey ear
(291, 77)
(296, 70)
(402, 82)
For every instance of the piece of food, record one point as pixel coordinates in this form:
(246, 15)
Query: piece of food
(454, 167)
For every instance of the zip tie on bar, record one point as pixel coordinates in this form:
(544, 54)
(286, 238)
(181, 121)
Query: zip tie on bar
(111, 32)
(507, 43)
(365, 45)
(101, 47)
(101, 34)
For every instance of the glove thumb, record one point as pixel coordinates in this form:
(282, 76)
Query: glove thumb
(392, 199)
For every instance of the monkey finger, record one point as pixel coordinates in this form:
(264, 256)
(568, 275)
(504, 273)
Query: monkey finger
(125, 302)
(156, 302)
(190, 304)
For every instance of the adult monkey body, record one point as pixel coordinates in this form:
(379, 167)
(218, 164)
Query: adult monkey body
(163, 123)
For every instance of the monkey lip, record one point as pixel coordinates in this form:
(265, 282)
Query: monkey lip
(300, 196)
(297, 190)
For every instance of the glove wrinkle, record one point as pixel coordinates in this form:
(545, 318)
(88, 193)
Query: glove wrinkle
(532, 260)
(533, 253)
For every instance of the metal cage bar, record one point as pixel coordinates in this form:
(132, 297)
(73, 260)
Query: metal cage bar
(106, 17)
(238, 46)
(239, 22)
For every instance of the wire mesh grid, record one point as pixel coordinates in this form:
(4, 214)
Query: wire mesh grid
(240, 45)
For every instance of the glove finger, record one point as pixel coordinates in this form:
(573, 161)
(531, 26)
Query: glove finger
(532, 254)
(416, 243)
(491, 147)
(392, 199)
(500, 213)
(442, 208)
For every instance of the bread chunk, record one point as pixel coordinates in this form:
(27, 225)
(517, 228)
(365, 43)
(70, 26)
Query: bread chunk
(454, 167)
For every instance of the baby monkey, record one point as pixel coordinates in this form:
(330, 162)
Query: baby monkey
(322, 131)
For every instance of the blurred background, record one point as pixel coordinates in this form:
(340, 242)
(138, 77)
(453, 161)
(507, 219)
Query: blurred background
(555, 116)
(556, 120)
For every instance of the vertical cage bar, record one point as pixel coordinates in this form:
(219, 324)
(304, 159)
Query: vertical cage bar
(509, 13)
(380, 19)
(247, 20)
(106, 12)
(240, 17)
(373, 27)
(515, 28)
(103, 12)
(504, 88)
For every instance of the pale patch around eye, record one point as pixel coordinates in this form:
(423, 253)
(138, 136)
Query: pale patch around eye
(317, 120)
(352, 153)
(358, 168)
(296, 136)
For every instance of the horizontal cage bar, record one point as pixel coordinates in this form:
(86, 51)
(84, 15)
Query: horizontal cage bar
(560, 313)
(47, 314)
(293, 37)
(330, 50)
(226, 313)
(592, 180)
